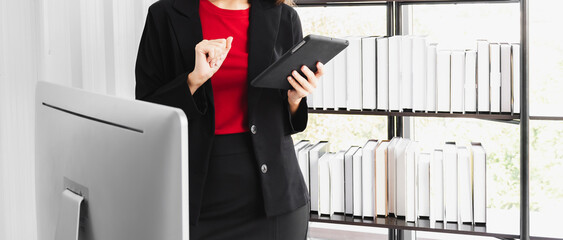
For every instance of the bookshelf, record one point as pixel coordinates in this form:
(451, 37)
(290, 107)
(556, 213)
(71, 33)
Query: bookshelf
(520, 226)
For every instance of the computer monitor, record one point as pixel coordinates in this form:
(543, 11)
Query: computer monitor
(127, 160)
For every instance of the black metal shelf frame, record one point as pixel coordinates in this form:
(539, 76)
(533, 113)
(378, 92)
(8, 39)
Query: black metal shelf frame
(487, 116)
(420, 225)
(401, 2)
(494, 228)
(395, 120)
(501, 117)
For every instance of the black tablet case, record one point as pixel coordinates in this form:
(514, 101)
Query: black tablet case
(312, 49)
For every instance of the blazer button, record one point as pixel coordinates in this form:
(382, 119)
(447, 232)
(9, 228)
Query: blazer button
(264, 168)
(253, 129)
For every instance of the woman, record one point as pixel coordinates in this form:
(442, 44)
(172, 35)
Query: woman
(199, 55)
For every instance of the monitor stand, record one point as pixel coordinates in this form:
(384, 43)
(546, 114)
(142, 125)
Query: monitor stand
(69, 216)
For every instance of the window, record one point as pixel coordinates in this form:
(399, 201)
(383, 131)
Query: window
(500, 23)
(457, 26)
(343, 131)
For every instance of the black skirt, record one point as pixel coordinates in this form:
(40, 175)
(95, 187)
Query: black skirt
(232, 202)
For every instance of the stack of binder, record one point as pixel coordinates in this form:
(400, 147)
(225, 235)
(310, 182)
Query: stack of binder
(397, 178)
(406, 73)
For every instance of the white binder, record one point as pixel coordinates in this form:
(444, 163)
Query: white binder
(354, 74)
(443, 81)
(383, 74)
(419, 69)
(494, 49)
(348, 180)
(314, 155)
(470, 86)
(516, 77)
(411, 200)
(340, 80)
(357, 182)
(324, 184)
(405, 83)
(328, 86)
(483, 86)
(381, 179)
(401, 175)
(318, 96)
(450, 182)
(457, 81)
(479, 183)
(394, 73)
(369, 64)
(423, 184)
(368, 178)
(506, 78)
(431, 77)
(465, 194)
(336, 172)
(391, 173)
(437, 211)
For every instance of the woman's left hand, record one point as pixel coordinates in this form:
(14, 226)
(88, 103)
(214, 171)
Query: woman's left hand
(302, 86)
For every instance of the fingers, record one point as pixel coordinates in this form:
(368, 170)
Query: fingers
(320, 69)
(229, 43)
(303, 87)
(210, 54)
(216, 50)
(297, 88)
(302, 81)
(218, 41)
(208, 48)
(218, 45)
(224, 51)
(312, 78)
(221, 43)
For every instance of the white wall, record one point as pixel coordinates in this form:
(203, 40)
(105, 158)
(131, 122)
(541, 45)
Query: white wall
(90, 44)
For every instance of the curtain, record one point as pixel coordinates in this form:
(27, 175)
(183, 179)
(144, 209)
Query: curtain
(88, 44)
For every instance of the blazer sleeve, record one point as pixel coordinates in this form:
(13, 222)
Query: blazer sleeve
(298, 121)
(154, 82)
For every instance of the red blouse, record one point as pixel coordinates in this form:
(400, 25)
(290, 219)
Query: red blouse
(230, 81)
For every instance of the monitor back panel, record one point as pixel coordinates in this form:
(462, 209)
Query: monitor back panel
(130, 156)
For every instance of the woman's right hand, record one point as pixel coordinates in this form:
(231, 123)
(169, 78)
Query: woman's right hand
(209, 56)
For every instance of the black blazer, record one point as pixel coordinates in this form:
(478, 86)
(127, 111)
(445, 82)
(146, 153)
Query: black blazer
(166, 56)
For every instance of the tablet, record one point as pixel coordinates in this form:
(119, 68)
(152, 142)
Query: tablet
(312, 49)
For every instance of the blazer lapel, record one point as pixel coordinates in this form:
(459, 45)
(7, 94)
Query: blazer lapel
(263, 31)
(187, 27)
